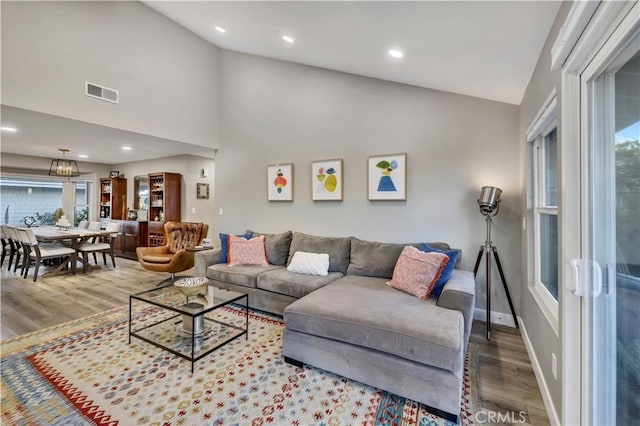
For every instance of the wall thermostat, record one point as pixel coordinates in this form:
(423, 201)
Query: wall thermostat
(204, 173)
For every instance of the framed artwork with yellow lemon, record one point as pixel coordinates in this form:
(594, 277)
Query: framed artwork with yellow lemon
(387, 177)
(280, 182)
(326, 180)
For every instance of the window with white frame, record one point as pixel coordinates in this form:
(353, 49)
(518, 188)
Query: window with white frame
(545, 197)
(542, 137)
(82, 202)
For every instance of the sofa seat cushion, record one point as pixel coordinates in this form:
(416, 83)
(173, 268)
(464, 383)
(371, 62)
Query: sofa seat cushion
(365, 311)
(294, 284)
(242, 275)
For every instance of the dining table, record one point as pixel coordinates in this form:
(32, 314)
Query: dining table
(69, 237)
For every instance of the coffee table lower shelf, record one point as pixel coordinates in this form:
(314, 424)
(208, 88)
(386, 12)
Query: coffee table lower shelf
(168, 333)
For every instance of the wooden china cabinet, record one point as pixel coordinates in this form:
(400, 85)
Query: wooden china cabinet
(164, 204)
(113, 198)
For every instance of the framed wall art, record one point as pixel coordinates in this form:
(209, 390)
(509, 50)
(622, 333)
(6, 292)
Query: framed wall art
(280, 182)
(202, 191)
(326, 180)
(387, 177)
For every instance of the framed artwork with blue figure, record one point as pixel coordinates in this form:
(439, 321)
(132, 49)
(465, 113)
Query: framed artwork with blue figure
(387, 177)
(280, 182)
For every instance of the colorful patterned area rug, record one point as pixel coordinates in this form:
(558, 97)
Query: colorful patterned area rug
(85, 372)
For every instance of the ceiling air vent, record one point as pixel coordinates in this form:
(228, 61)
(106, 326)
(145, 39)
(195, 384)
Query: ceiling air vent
(101, 92)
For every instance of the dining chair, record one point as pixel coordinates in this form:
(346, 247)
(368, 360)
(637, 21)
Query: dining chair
(94, 226)
(84, 224)
(33, 251)
(101, 247)
(6, 248)
(15, 246)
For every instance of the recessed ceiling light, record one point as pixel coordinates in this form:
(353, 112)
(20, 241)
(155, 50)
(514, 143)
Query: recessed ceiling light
(288, 39)
(126, 148)
(9, 129)
(83, 156)
(396, 53)
(220, 29)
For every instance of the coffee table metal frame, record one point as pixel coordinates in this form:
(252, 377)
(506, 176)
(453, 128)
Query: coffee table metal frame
(233, 298)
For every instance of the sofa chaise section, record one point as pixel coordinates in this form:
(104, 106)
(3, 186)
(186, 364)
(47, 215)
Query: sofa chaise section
(360, 328)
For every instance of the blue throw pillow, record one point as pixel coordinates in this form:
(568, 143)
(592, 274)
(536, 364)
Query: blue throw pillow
(448, 269)
(224, 245)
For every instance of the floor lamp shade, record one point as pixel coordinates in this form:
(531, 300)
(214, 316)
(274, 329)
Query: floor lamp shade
(489, 199)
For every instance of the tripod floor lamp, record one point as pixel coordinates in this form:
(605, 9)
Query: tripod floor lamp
(489, 203)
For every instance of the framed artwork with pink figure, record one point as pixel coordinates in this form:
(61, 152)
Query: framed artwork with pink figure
(280, 182)
(326, 180)
(387, 177)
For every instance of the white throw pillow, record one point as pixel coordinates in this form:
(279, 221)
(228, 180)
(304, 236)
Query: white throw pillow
(309, 263)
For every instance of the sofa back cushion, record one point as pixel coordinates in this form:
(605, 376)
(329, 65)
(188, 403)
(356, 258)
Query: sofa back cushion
(337, 248)
(277, 246)
(374, 259)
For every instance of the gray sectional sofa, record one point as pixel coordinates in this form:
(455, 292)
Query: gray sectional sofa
(352, 323)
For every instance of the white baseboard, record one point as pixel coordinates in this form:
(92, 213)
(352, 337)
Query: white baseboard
(537, 370)
(496, 317)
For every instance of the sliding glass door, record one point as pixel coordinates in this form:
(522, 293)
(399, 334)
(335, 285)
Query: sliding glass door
(610, 271)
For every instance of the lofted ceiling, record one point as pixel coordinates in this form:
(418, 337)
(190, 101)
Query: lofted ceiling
(486, 49)
(475, 48)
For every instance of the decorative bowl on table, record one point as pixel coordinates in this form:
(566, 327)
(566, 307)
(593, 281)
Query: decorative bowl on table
(192, 286)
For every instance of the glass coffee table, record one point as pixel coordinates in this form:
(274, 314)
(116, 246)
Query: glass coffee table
(190, 327)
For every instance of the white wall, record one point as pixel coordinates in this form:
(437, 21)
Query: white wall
(543, 339)
(277, 112)
(166, 75)
(189, 167)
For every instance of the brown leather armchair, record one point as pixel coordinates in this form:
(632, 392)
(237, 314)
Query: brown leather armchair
(173, 257)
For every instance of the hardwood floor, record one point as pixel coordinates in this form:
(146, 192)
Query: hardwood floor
(507, 382)
(27, 306)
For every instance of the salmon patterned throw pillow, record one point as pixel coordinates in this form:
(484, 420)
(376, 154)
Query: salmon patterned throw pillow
(417, 272)
(247, 252)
